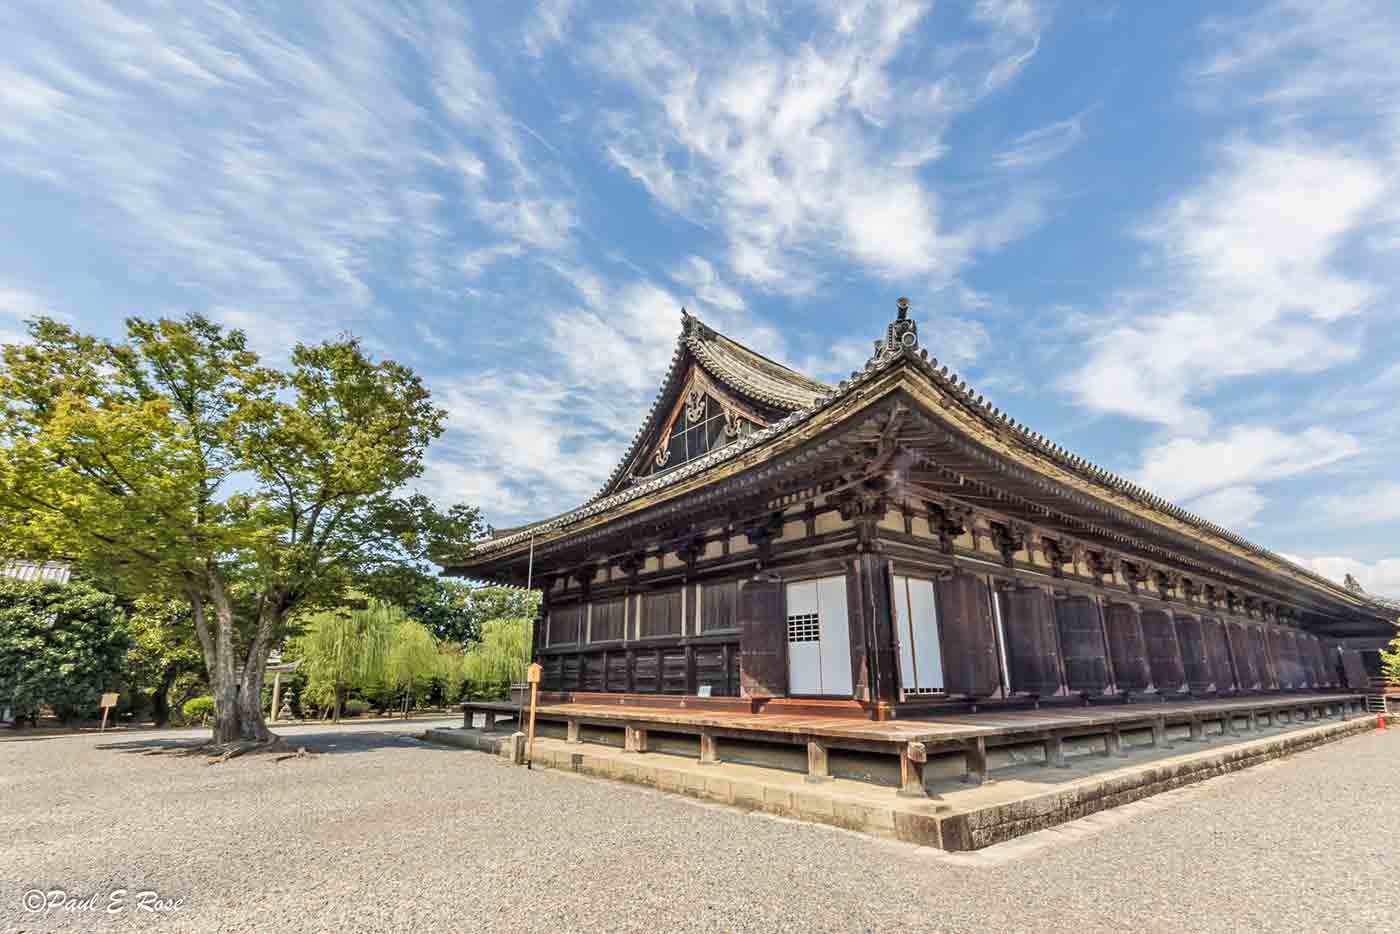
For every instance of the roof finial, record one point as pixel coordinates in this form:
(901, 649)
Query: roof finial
(902, 333)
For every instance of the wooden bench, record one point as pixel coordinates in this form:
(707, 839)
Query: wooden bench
(489, 710)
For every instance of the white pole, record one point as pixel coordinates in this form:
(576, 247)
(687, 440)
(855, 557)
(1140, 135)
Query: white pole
(530, 571)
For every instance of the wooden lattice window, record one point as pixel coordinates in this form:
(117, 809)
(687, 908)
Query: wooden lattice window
(607, 622)
(564, 624)
(661, 614)
(719, 606)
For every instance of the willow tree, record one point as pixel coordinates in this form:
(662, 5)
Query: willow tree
(344, 648)
(174, 459)
(413, 659)
(500, 657)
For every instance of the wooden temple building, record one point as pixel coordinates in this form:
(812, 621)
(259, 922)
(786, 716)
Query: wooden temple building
(894, 547)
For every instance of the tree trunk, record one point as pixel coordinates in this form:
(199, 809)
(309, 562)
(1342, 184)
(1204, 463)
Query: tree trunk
(238, 716)
(160, 701)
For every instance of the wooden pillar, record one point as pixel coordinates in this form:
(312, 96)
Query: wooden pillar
(276, 695)
(1113, 743)
(975, 752)
(1254, 721)
(709, 751)
(1227, 725)
(818, 767)
(911, 770)
(1159, 734)
(1198, 730)
(488, 721)
(635, 739)
(573, 735)
(466, 718)
(1055, 752)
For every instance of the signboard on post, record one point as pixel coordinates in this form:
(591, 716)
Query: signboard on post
(109, 700)
(532, 675)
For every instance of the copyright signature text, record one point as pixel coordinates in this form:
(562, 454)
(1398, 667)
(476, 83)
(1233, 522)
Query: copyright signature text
(112, 902)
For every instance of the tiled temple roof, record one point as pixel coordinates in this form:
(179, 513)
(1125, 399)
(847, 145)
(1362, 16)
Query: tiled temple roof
(743, 371)
(888, 355)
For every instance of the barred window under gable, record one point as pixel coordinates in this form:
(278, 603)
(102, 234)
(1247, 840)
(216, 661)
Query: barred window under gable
(702, 426)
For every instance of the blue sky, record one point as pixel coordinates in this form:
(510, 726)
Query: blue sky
(1164, 235)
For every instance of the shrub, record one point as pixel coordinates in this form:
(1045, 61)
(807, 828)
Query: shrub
(198, 708)
(355, 708)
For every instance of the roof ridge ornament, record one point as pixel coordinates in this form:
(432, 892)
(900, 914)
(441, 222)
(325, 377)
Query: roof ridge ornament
(901, 334)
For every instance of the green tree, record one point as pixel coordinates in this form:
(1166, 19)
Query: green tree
(174, 460)
(60, 644)
(499, 658)
(1390, 661)
(455, 610)
(345, 648)
(164, 647)
(413, 660)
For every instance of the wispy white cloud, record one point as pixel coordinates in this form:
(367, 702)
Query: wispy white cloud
(1232, 507)
(785, 148)
(1371, 505)
(273, 163)
(17, 306)
(1184, 468)
(1247, 284)
(1043, 144)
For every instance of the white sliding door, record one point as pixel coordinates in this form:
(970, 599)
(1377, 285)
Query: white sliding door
(916, 622)
(819, 638)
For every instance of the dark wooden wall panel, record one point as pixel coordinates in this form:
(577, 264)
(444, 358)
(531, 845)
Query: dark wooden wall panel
(719, 606)
(675, 671)
(1195, 660)
(1218, 652)
(593, 672)
(1131, 668)
(1242, 655)
(1264, 664)
(552, 677)
(762, 639)
(969, 646)
(1163, 651)
(711, 669)
(1354, 667)
(1082, 644)
(573, 671)
(873, 664)
(661, 614)
(1280, 656)
(1322, 670)
(619, 672)
(646, 671)
(1032, 651)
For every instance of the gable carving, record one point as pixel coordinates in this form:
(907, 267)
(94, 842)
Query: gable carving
(703, 418)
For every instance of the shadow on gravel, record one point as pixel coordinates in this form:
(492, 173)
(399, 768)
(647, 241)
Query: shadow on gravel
(321, 742)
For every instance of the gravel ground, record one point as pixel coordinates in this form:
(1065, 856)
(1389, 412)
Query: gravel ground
(380, 832)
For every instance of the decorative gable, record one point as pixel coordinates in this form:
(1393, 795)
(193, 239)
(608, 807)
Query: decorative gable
(716, 391)
(703, 418)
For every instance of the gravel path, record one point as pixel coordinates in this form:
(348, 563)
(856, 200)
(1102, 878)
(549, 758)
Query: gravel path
(381, 832)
